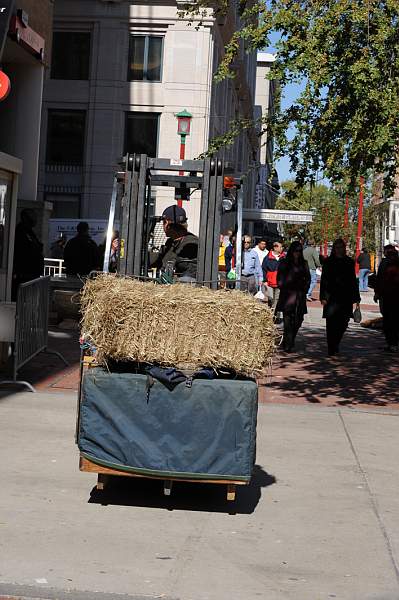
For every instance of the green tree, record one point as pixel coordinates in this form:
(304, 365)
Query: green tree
(346, 53)
(327, 207)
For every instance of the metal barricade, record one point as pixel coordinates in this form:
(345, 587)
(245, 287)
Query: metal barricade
(31, 326)
(54, 267)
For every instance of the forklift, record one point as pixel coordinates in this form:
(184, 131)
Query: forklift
(214, 402)
(132, 199)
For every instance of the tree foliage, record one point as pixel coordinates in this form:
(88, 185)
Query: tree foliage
(346, 55)
(328, 207)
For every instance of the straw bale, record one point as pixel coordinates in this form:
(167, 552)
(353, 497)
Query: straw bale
(179, 325)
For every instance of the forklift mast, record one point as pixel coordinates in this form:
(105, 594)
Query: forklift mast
(133, 184)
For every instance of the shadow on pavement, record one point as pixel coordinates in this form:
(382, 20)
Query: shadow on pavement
(205, 497)
(46, 370)
(363, 374)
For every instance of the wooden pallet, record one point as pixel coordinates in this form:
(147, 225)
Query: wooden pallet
(104, 473)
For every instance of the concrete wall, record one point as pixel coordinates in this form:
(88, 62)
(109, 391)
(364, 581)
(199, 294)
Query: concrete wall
(265, 103)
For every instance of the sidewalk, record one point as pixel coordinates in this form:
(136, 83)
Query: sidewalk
(320, 519)
(363, 375)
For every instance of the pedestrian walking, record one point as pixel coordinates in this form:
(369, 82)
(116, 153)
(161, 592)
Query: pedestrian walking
(261, 250)
(387, 293)
(28, 251)
(293, 279)
(339, 292)
(270, 267)
(364, 262)
(81, 253)
(311, 255)
(251, 272)
(57, 247)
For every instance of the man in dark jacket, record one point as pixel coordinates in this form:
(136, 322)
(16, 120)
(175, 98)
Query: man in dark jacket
(28, 251)
(387, 292)
(339, 292)
(180, 253)
(364, 262)
(81, 253)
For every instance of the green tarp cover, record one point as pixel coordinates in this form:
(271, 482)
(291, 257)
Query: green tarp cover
(204, 431)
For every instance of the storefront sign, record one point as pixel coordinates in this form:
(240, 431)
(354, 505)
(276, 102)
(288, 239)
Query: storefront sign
(278, 216)
(5, 86)
(6, 9)
(67, 228)
(27, 37)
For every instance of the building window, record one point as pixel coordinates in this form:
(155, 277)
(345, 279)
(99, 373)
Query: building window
(65, 206)
(145, 58)
(142, 133)
(70, 55)
(66, 137)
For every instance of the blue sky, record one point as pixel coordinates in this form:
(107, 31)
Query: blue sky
(290, 93)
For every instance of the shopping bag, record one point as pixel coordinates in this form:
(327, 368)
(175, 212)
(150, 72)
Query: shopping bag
(357, 315)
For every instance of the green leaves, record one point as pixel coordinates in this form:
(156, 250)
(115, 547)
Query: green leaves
(346, 121)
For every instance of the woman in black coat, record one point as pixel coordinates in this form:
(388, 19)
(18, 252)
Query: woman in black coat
(293, 279)
(339, 291)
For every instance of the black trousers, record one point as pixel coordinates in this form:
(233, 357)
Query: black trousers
(292, 322)
(336, 327)
(390, 323)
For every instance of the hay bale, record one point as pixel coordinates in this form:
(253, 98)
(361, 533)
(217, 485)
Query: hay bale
(177, 325)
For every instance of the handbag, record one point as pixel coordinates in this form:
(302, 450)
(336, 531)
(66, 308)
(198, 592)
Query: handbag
(357, 315)
(232, 274)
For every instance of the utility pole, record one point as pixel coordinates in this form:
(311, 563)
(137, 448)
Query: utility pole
(359, 222)
(325, 232)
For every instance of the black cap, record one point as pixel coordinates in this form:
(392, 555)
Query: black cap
(175, 214)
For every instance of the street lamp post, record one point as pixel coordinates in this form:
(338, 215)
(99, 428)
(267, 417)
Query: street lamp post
(183, 129)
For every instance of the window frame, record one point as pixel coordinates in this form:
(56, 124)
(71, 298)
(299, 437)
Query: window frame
(139, 112)
(146, 37)
(51, 197)
(89, 66)
(52, 111)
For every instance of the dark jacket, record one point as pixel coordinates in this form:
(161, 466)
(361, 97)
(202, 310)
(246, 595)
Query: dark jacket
(182, 253)
(339, 286)
(28, 255)
(363, 260)
(229, 257)
(387, 283)
(270, 266)
(81, 255)
(293, 281)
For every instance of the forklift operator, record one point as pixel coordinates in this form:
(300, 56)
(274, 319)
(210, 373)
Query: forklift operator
(181, 248)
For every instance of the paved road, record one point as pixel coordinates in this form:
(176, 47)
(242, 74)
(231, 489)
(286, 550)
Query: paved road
(320, 520)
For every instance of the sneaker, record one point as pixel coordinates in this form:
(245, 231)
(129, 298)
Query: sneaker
(309, 298)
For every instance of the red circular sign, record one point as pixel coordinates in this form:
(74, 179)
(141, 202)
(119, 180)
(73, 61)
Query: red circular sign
(5, 86)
